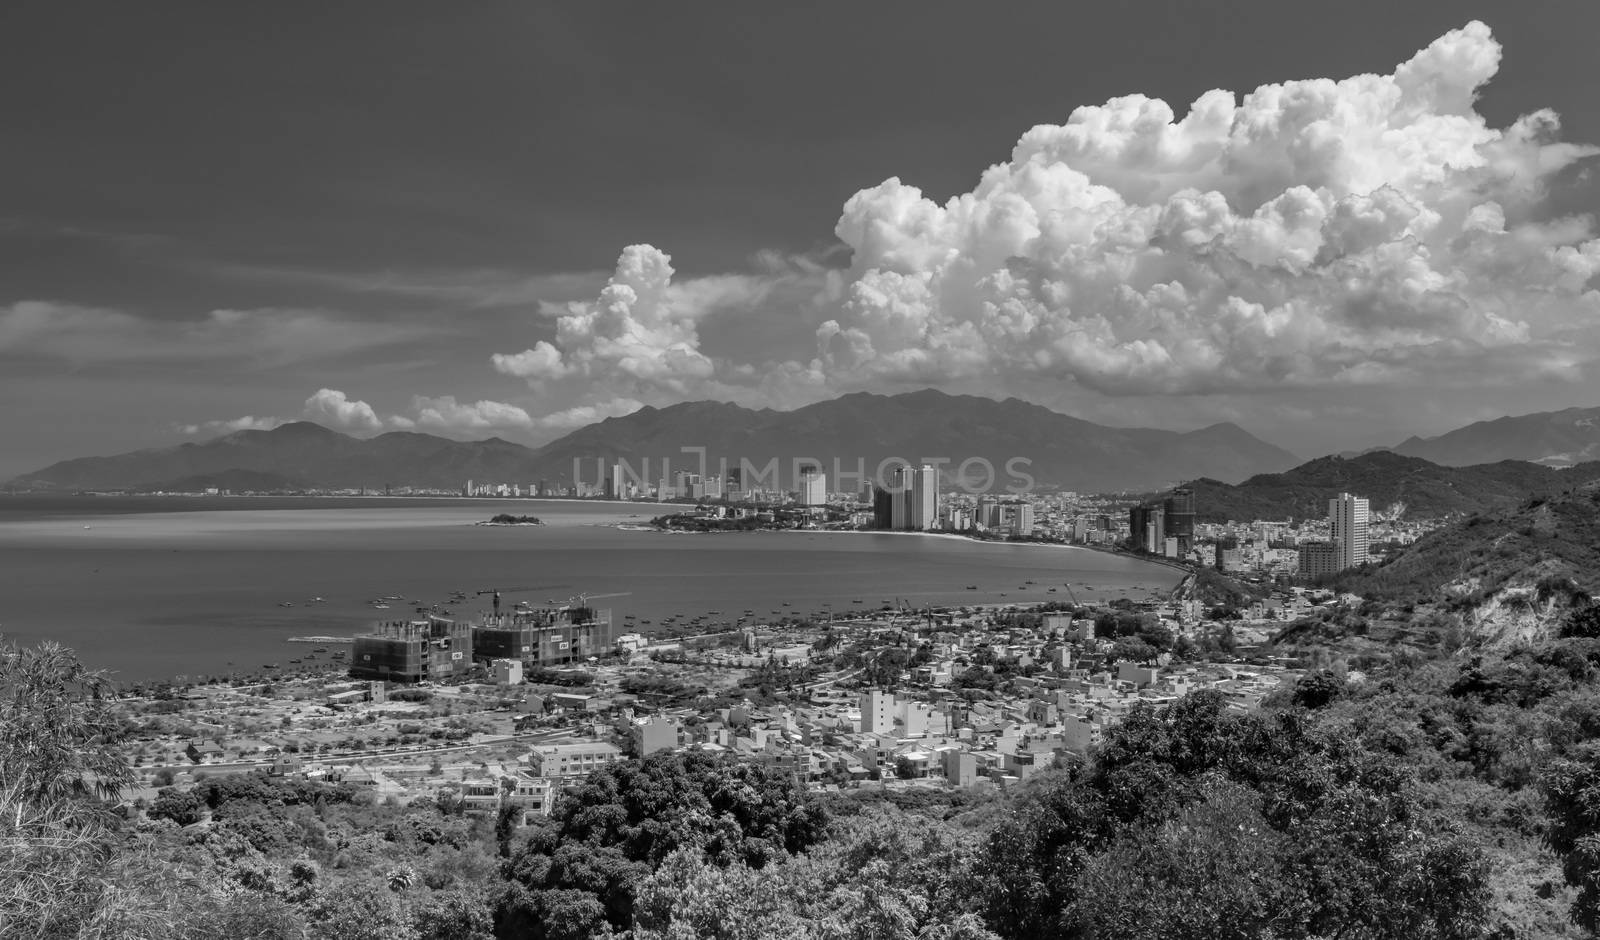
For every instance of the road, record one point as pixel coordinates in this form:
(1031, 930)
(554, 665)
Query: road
(526, 737)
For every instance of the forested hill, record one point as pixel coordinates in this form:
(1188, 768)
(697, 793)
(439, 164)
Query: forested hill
(1428, 490)
(1543, 540)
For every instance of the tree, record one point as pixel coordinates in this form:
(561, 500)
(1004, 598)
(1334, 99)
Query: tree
(1132, 649)
(1572, 798)
(455, 915)
(608, 833)
(251, 914)
(181, 806)
(1343, 837)
(59, 735)
(885, 875)
(1317, 689)
(1582, 621)
(361, 911)
(1212, 871)
(59, 759)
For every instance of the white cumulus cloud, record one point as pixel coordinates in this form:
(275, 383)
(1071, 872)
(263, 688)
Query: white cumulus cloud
(332, 407)
(1367, 231)
(445, 413)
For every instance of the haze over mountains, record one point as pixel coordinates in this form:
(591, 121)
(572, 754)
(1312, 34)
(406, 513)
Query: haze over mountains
(1557, 438)
(857, 430)
(1475, 467)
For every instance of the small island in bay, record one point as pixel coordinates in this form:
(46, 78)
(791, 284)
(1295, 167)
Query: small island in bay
(508, 519)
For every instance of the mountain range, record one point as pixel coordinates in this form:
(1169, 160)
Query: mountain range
(863, 429)
(1386, 479)
(1556, 438)
(860, 431)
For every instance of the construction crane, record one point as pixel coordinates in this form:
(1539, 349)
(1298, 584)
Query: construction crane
(516, 590)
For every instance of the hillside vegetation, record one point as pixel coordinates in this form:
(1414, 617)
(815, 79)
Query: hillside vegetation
(1542, 541)
(1427, 490)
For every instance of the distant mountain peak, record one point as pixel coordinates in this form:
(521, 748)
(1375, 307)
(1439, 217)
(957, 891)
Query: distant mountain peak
(1385, 478)
(1568, 436)
(858, 429)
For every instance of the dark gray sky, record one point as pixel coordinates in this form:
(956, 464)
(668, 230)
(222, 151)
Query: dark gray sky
(214, 210)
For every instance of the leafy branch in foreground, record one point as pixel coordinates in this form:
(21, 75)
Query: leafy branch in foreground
(59, 735)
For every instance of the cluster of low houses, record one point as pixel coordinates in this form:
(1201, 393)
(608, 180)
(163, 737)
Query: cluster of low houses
(837, 739)
(935, 733)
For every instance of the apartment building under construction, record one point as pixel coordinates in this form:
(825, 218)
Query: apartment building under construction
(435, 649)
(545, 637)
(440, 649)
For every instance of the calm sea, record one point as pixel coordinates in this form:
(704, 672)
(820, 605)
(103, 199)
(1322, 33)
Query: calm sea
(160, 586)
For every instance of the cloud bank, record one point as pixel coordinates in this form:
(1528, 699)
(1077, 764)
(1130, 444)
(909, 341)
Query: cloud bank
(333, 408)
(268, 337)
(1370, 231)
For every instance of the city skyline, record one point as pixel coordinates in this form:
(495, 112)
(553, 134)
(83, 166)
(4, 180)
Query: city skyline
(534, 471)
(363, 282)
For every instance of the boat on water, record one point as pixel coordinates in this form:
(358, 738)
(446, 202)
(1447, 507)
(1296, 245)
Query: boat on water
(380, 606)
(285, 604)
(320, 649)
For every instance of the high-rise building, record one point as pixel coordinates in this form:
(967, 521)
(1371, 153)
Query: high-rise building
(883, 503)
(1347, 522)
(1015, 517)
(1138, 519)
(813, 487)
(1147, 531)
(988, 512)
(922, 495)
(617, 482)
(900, 486)
(1177, 518)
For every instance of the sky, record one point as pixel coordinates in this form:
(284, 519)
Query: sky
(1336, 225)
